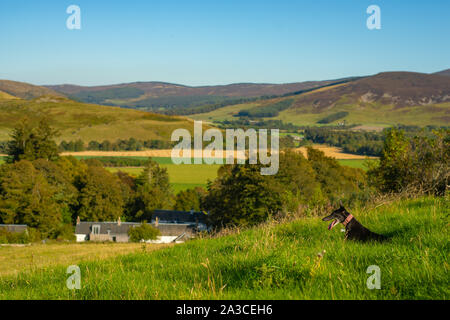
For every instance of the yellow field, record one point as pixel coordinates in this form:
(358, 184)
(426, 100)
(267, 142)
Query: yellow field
(335, 152)
(28, 258)
(329, 151)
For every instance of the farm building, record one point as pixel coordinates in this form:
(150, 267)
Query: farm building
(175, 226)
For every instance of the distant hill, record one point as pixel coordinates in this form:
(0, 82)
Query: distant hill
(380, 100)
(160, 96)
(25, 90)
(443, 73)
(390, 88)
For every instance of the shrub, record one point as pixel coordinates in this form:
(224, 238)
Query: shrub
(7, 237)
(417, 165)
(143, 232)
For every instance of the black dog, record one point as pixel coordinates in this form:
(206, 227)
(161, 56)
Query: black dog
(353, 229)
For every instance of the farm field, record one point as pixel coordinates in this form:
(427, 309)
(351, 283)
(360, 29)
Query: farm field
(182, 177)
(291, 260)
(37, 256)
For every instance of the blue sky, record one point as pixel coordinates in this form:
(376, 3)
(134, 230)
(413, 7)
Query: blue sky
(201, 42)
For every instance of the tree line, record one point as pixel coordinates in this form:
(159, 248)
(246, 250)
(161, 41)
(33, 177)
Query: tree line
(266, 111)
(367, 143)
(131, 144)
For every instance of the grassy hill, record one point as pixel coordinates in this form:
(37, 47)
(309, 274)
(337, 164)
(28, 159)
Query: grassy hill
(291, 260)
(24, 90)
(89, 122)
(378, 101)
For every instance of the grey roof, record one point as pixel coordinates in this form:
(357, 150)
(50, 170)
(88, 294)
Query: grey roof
(173, 216)
(169, 229)
(166, 229)
(14, 227)
(113, 227)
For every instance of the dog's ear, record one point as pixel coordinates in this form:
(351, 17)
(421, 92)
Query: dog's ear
(340, 204)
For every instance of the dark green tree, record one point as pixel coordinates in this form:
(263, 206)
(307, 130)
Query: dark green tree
(190, 199)
(26, 197)
(153, 191)
(100, 196)
(29, 142)
(241, 196)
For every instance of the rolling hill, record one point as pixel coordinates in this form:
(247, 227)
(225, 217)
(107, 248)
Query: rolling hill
(160, 97)
(89, 122)
(25, 90)
(380, 100)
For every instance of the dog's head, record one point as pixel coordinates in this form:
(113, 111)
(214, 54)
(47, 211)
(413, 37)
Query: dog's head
(338, 216)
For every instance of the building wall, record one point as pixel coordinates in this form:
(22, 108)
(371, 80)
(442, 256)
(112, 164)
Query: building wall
(81, 237)
(100, 237)
(163, 239)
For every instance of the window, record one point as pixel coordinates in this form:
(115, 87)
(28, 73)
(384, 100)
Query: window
(96, 229)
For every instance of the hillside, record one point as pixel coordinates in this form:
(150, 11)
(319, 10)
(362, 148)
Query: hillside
(161, 96)
(89, 122)
(24, 90)
(443, 73)
(290, 260)
(6, 96)
(381, 100)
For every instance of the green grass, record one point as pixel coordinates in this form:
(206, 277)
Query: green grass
(273, 261)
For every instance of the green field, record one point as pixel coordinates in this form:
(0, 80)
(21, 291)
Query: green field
(292, 260)
(182, 177)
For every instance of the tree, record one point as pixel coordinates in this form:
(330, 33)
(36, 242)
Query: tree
(336, 181)
(27, 198)
(100, 196)
(143, 232)
(242, 196)
(153, 191)
(31, 143)
(299, 179)
(190, 199)
(417, 165)
(65, 193)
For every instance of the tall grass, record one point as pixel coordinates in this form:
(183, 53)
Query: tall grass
(300, 259)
